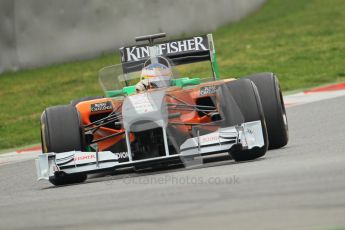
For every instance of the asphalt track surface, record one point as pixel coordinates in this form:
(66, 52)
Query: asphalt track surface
(301, 186)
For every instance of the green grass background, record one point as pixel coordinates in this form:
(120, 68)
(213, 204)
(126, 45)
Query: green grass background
(303, 41)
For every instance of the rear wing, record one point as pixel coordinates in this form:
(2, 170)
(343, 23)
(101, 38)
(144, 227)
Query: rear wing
(182, 51)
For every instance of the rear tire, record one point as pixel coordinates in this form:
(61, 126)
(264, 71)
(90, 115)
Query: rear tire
(274, 108)
(247, 99)
(60, 132)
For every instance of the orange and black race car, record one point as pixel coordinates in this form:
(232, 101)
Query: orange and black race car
(153, 116)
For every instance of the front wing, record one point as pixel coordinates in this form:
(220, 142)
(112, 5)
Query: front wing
(248, 134)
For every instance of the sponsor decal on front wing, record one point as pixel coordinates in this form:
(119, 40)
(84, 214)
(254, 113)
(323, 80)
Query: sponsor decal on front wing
(122, 155)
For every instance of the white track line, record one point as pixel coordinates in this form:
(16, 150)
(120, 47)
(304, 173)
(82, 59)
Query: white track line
(303, 98)
(13, 157)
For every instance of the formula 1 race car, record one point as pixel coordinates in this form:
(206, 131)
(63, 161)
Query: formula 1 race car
(152, 116)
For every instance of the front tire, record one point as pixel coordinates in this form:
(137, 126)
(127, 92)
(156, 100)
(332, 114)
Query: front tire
(274, 108)
(245, 99)
(60, 132)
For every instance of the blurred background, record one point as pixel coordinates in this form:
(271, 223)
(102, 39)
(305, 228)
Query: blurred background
(40, 32)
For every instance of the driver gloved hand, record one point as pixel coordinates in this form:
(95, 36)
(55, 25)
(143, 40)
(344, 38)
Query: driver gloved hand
(142, 85)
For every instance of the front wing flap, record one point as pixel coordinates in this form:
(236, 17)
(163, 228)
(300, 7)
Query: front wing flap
(74, 162)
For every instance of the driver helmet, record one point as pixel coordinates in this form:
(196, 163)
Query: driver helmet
(158, 75)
